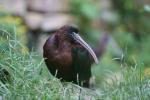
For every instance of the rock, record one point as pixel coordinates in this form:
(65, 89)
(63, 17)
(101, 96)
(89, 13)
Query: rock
(46, 22)
(52, 22)
(33, 20)
(31, 11)
(48, 5)
(16, 7)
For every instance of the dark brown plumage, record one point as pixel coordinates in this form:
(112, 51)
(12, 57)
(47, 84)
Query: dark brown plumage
(68, 57)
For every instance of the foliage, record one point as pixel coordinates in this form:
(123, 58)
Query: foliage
(132, 85)
(23, 75)
(29, 78)
(8, 21)
(86, 12)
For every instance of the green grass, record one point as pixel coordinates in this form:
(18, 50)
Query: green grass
(29, 78)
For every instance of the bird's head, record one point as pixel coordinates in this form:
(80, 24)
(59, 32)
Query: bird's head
(73, 36)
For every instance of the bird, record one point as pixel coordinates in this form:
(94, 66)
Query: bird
(68, 57)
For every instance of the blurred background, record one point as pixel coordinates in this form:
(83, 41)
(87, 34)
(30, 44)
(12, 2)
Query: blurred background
(126, 23)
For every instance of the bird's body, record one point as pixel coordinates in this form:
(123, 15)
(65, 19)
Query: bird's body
(66, 57)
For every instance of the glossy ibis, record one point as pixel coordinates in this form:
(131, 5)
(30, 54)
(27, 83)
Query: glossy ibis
(68, 56)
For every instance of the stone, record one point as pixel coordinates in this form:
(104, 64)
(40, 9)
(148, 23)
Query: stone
(16, 7)
(56, 21)
(48, 5)
(46, 22)
(33, 20)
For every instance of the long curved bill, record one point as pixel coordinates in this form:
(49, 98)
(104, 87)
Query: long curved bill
(78, 38)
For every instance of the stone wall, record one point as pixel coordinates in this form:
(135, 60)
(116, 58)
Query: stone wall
(45, 15)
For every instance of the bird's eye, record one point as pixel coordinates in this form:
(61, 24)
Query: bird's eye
(73, 35)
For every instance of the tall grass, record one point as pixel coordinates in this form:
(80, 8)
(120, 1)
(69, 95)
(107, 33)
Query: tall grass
(29, 78)
(132, 86)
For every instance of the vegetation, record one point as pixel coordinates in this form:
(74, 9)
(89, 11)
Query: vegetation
(23, 74)
(29, 78)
